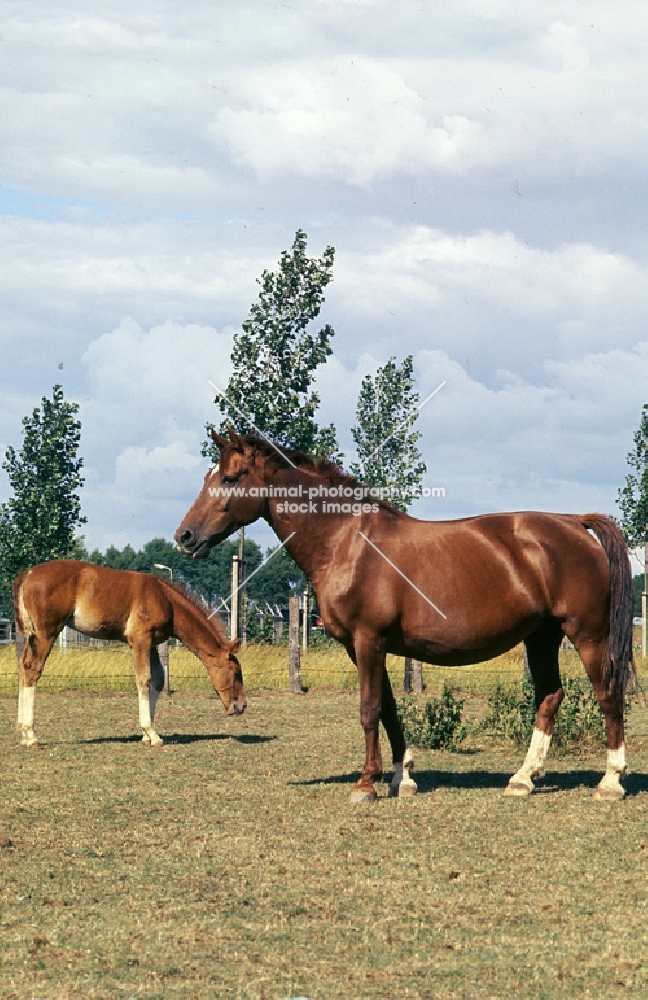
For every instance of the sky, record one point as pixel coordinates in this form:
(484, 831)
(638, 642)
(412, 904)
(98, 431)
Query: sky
(479, 168)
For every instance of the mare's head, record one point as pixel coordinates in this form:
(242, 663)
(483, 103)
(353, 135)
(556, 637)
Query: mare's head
(228, 500)
(226, 678)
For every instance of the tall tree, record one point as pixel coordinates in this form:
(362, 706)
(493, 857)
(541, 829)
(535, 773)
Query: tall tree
(38, 522)
(275, 356)
(388, 455)
(633, 498)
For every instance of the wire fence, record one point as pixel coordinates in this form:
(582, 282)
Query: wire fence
(108, 667)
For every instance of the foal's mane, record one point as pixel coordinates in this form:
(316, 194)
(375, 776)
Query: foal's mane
(213, 623)
(336, 476)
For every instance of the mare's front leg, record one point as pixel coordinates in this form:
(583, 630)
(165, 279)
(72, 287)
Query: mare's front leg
(402, 784)
(149, 682)
(369, 653)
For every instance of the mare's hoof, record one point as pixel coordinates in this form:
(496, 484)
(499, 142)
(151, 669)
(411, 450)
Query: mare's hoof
(403, 791)
(157, 745)
(517, 788)
(362, 795)
(609, 794)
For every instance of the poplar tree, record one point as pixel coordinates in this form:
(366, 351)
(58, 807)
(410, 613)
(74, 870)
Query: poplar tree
(388, 455)
(632, 500)
(275, 356)
(38, 522)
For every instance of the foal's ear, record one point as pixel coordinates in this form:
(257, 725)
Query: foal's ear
(234, 646)
(218, 439)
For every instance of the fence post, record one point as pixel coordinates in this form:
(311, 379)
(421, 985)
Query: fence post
(163, 653)
(417, 676)
(234, 616)
(407, 676)
(293, 646)
(20, 641)
(305, 622)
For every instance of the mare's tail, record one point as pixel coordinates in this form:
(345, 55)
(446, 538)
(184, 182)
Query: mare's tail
(618, 668)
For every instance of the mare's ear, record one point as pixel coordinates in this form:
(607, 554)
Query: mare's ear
(218, 439)
(235, 438)
(234, 646)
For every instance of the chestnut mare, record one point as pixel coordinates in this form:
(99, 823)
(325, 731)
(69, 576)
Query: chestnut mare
(136, 608)
(446, 592)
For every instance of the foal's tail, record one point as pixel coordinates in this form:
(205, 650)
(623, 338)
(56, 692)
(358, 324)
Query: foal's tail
(618, 668)
(23, 619)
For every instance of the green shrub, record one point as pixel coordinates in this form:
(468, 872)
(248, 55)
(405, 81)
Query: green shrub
(512, 714)
(438, 726)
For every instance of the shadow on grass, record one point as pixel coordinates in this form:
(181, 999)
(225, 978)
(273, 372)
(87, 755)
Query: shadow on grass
(554, 781)
(183, 738)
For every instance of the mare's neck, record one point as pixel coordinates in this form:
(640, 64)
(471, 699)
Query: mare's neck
(312, 525)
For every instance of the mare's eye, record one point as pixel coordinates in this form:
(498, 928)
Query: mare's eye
(229, 479)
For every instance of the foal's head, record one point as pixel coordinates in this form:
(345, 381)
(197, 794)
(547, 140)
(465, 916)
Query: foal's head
(230, 497)
(226, 678)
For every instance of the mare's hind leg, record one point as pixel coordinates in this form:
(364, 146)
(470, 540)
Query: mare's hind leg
(147, 677)
(592, 654)
(30, 668)
(542, 652)
(402, 784)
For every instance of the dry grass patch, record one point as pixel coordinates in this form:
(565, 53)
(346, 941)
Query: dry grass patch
(231, 865)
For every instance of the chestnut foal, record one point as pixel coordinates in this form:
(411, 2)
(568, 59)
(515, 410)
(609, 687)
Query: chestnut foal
(136, 608)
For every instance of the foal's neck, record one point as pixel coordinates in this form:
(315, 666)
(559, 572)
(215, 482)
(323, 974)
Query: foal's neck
(192, 628)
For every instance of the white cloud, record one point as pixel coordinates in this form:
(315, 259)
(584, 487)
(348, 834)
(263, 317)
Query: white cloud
(135, 467)
(479, 169)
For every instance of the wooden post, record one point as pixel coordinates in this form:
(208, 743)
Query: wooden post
(417, 676)
(305, 623)
(243, 593)
(643, 624)
(527, 668)
(234, 614)
(20, 642)
(244, 616)
(407, 676)
(293, 646)
(163, 653)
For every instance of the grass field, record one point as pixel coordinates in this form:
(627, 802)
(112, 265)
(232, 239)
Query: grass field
(230, 864)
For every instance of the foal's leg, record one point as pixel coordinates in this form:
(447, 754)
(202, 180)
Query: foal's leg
(30, 668)
(402, 784)
(142, 659)
(369, 653)
(610, 786)
(542, 652)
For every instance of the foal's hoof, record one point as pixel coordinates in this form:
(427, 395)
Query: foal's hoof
(362, 795)
(608, 794)
(518, 789)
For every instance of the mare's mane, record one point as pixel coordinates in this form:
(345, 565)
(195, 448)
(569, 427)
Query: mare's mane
(323, 467)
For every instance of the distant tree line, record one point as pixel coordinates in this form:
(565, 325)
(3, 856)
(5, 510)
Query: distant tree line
(275, 582)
